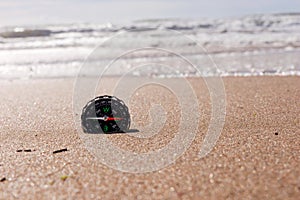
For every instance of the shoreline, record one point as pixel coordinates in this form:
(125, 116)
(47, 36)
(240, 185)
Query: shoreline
(175, 77)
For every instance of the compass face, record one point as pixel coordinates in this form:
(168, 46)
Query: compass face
(105, 114)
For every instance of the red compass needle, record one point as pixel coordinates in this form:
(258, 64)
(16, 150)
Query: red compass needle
(113, 119)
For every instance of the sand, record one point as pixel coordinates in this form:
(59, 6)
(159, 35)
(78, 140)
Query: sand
(256, 157)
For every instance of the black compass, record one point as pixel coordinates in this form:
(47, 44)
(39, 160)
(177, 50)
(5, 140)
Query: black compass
(105, 114)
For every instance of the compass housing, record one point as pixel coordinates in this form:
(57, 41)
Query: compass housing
(105, 114)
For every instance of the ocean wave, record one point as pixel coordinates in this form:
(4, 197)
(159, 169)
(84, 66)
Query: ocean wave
(23, 33)
(247, 24)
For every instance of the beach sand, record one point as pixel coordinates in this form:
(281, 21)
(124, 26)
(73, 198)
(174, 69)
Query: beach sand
(256, 157)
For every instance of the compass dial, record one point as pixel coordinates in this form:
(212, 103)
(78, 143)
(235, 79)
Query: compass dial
(105, 114)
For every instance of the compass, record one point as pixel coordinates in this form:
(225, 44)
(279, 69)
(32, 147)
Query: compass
(105, 114)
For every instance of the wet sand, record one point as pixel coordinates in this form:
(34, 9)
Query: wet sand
(256, 157)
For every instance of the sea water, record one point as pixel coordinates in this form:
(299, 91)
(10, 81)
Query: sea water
(245, 46)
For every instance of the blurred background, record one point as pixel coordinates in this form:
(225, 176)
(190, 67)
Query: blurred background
(43, 38)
